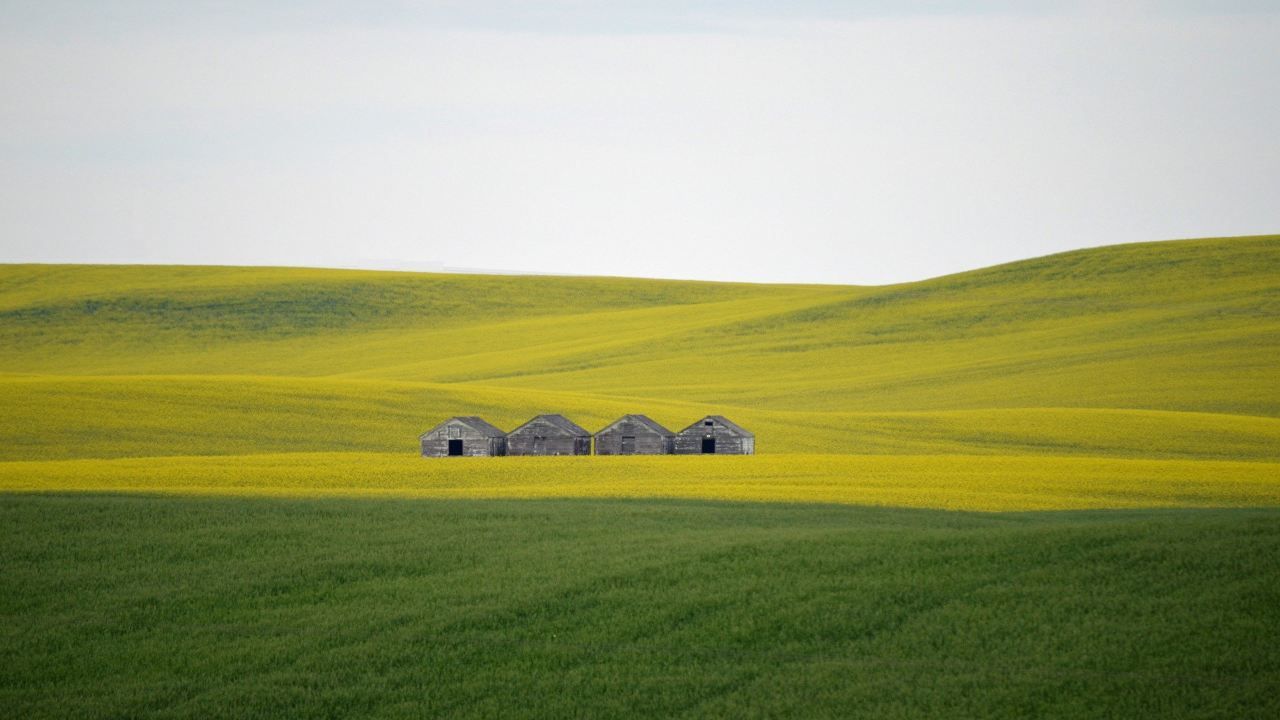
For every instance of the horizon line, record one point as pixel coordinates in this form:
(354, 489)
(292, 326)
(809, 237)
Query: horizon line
(435, 268)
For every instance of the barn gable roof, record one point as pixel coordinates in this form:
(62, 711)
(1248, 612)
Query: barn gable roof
(733, 426)
(560, 422)
(474, 422)
(481, 425)
(641, 420)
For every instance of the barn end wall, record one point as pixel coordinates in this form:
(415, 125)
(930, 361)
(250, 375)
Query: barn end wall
(527, 444)
(725, 445)
(648, 442)
(728, 442)
(474, 444)
(555, 440)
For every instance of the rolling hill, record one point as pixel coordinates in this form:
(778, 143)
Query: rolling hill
(1045, 489)
(1156, 350)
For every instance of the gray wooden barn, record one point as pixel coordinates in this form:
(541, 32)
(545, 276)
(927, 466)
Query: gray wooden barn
(549, 435)
(634, 435)
(463, 436)
(715, 435)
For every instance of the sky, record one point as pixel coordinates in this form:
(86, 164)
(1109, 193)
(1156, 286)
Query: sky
(805, 141)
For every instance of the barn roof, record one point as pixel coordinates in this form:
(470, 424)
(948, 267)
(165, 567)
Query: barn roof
(642, 420)
(735, 427)
(560, 422)
(480, 425)
(474, 422)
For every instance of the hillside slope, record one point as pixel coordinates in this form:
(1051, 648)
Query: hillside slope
(1148, 350)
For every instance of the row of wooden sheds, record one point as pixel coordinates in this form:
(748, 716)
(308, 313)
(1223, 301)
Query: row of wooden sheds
(558, 435)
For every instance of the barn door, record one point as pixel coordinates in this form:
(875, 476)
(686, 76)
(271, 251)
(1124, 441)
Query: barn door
(628, 445)
(708, 446)
(539, 445)
(455, 448)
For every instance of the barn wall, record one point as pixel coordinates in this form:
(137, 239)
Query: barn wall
(558, 442)
(525, 444)
(498, 446)
(728, 442)
(474, 444)
(648, 442)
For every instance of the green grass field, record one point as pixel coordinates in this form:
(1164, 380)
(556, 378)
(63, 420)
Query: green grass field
(332, 608)
(1048, 488)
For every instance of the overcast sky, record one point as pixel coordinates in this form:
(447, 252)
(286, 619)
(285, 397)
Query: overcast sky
(810, 140)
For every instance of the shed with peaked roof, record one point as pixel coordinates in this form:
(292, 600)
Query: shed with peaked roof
(463, 436)
(715, 435)
(634, 435)
(549, 435)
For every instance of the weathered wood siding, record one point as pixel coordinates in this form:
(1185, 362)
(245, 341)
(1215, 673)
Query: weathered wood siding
(728, 441)
(647, 441)
(474, 443)
(540, 437)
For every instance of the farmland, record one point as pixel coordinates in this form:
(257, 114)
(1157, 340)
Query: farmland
(953, 482)
(234, 607)
(1048, 487)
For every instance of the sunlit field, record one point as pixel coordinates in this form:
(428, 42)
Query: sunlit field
(1048, 487)
(953, 482)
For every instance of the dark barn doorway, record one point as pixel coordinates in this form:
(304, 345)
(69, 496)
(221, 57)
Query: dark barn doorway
(455, 448)
(708, 446)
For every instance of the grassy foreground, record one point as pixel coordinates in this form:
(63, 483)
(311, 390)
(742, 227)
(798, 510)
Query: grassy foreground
(118, 606)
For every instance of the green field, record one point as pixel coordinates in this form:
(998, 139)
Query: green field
(1045, 488)
(333, 608)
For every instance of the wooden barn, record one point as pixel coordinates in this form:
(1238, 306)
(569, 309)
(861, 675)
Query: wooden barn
(715, 435)
(634, 435)
(549, 435)
(463, 436)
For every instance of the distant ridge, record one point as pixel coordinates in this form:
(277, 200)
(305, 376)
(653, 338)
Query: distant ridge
(437, 267)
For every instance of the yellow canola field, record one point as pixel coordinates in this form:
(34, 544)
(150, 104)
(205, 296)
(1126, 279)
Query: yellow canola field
(952, 482)
(1126, 376)
(64, 418)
